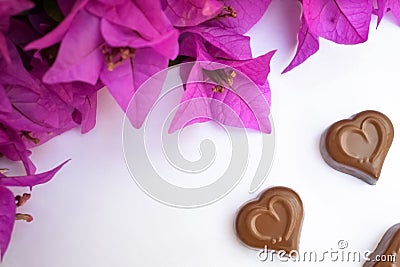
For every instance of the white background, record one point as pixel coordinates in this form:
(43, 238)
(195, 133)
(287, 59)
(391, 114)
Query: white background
(93, 214)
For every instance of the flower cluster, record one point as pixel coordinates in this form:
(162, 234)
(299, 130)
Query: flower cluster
(56, 55)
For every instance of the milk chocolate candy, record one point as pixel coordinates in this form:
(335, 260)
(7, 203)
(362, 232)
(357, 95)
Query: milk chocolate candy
(358, 146)
(387, 252)
(273, 221)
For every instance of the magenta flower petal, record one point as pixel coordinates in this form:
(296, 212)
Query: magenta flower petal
(136, 24)
(65, 6)
(86, 108)
(79, 57)
(7, 218)
(193, 12)
(118, 36)
(143, 16)
(13, 7)
(58, 33)
(125, 80)
(15, 73)
(40, 112)
(9, 8)
(130, 14)
(190, 45)
(200, 104)
(256, 69)
(83, 98)
(37, 117)
(381, 10)
(3, 48)
(12, 147)
(341, 21)
(248, 13)
(385, 6)
(5, 104)
(395, 8)
(33, 179)
(86, 113)
(41, 115)
(79, 98)
(21, 32)
(246, 105)
(227, 43)
(307, 46)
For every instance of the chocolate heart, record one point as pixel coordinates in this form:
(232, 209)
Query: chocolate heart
(387, 252)
(358, 146)
(273, 220)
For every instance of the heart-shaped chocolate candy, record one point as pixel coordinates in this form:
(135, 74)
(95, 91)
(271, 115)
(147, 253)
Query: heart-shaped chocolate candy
(387, 252)
(358, 146)
(273, 220)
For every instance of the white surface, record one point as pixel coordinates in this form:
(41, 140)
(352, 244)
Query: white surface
(93, 214)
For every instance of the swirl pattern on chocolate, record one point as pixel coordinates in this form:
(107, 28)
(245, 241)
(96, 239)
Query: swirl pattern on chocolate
(358, 146)
(273, 220)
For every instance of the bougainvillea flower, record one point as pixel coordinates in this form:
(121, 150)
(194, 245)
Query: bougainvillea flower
(343, 22)
(220, 40)
(211, 89)
(9, 8)
(38, 112)
(385, 6)
(307, 45)
(35, 108)
(121, 42)
(204, 101)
